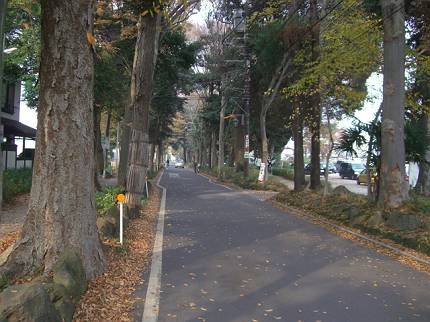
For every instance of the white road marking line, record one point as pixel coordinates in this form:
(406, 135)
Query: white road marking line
(152, 301)
(213, 182)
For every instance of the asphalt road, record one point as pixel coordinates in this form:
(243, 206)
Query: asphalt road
(229, 257)
(351, 185)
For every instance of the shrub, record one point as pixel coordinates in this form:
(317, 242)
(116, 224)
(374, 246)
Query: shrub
(284, 172)
(16, 182)
(106, 199)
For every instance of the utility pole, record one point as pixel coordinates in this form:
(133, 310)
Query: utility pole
(246, 94)
(3, 7)
(239, 25)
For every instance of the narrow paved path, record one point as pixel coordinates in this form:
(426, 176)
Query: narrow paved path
(228, 256)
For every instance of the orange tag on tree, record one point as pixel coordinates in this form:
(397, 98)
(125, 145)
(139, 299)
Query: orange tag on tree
(120, 197)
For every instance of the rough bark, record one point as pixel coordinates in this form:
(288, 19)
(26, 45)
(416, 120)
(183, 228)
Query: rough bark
(151, 157)
(423, 182)
(315, 119)
(98, 141)
(393, 185)
(239, 146)
(213, 149)
(264, 145)
(299, 161)
(330, 150)
(3, 8)
(62, 212)
(143, 79)
(124, 143)
(221, 133)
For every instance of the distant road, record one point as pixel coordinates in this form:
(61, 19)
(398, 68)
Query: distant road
(351, 185)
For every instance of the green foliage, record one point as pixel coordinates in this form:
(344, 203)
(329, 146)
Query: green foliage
(417, 141)
(286, 172)
(229, 174)
(106, 199)
(173, 76)
(16, 182)
(23, 31)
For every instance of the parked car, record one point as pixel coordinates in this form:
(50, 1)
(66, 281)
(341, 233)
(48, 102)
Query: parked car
(308, 168)
(179, 164)
(350, 170)
(338, 165)
(362, 177)
(331, 168)
(342, 168)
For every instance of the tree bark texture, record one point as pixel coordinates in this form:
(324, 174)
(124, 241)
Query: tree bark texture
(213, 150)
(124, 143)
(98, 141)
(62, 211)
(221, 133)
(3, 8)
(330, 151)
(239, 145)
(264, 145)
(393, 185)
(423, 182)
(299, 161)
(315, 119)
(143, 79)
(151, 156)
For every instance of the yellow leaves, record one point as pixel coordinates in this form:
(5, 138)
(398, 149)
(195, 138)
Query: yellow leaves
(91, 39)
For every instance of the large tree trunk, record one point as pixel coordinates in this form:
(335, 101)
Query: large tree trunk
(423, 182)
(299, 162)
(213, 149)
(98, 151)
(151, 156)
(239, 146)
(124, 143)
(3, 8)
(62, 205)
(393, 185)
(264, 144)
(330, 150)
(315, 121)
(221, 133)
(143, 76)
(98, 141)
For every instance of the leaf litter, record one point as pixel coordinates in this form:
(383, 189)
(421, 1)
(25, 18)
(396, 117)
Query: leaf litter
(110, 297)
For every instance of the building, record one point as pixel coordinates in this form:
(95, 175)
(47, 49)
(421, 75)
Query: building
(13, 130)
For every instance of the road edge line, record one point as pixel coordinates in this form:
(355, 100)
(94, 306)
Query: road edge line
(214, 182)
(152, 300)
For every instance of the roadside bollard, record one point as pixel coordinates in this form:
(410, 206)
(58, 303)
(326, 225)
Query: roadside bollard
(121, 199)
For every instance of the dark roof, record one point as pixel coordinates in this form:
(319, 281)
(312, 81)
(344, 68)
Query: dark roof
(12, 127)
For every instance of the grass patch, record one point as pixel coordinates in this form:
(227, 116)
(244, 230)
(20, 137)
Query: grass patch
(287, 172)
(16, 182)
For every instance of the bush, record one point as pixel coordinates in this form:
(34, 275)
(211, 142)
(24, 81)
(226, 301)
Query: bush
(16, 182)
(287, 172)
(229, 174)
(106, 199)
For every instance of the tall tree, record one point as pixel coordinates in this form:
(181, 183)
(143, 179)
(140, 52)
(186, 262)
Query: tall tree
(3, 6)
(62, 203)
(393, 185)
(141, 94)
